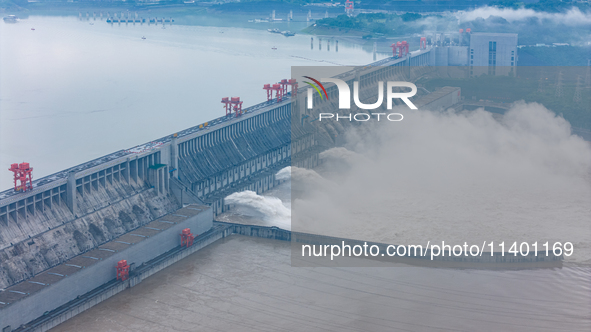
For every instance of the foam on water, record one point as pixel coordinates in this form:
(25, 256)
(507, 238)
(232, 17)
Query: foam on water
(271, 210)
(284, 174)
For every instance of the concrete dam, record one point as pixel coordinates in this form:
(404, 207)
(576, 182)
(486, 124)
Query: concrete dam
(62, 239)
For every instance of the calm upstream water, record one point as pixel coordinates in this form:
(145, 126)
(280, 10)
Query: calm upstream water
(71, 91)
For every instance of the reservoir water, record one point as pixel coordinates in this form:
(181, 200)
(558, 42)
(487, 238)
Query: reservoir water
(71, 91)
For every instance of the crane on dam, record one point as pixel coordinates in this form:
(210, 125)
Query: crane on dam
(23, 173)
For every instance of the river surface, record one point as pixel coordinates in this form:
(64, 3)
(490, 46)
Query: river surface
(248, 284)
(74, 90)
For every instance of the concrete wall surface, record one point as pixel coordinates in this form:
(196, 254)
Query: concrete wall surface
(44, 240)
(88, 300)
(91, 277)
(458, 55)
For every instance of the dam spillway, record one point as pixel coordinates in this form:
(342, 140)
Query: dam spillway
(75, 210)
(80, 209)
(83, 209)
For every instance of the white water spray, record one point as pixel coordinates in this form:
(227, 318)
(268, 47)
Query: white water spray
(270, 209)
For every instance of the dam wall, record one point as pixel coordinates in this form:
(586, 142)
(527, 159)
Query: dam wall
(239, 155)
(78, 209)
(86, 301)
(30, 299)
(43, 240)
(244, 155)
(83, 208)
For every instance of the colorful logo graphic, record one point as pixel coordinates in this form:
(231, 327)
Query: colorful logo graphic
(316, 87)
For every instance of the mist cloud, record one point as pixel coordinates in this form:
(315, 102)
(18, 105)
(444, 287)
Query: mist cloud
(458, 177)
(571, 17)
(270, 209)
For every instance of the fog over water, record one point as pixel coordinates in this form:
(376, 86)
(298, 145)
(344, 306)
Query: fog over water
(454, 177)
(572, 17)
(451, 177)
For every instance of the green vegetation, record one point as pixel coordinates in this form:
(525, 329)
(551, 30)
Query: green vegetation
(409, 17)
(532, 30)
(370, 25)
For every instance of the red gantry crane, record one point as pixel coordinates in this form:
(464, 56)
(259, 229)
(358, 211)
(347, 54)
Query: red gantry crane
(232, 105)
(187, 238)
(227, 105)
(23, 173)
(237, 105)
(275, 87)
(401, 47)
(122, 270)
(291, 82)
(394, 47)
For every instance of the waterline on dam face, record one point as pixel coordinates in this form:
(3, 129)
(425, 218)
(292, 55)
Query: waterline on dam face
(256, 289)
(84, 91)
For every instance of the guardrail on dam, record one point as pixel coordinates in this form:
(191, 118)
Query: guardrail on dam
(77, 210)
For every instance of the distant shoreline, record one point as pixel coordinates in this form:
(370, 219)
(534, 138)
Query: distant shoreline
(69, 8)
